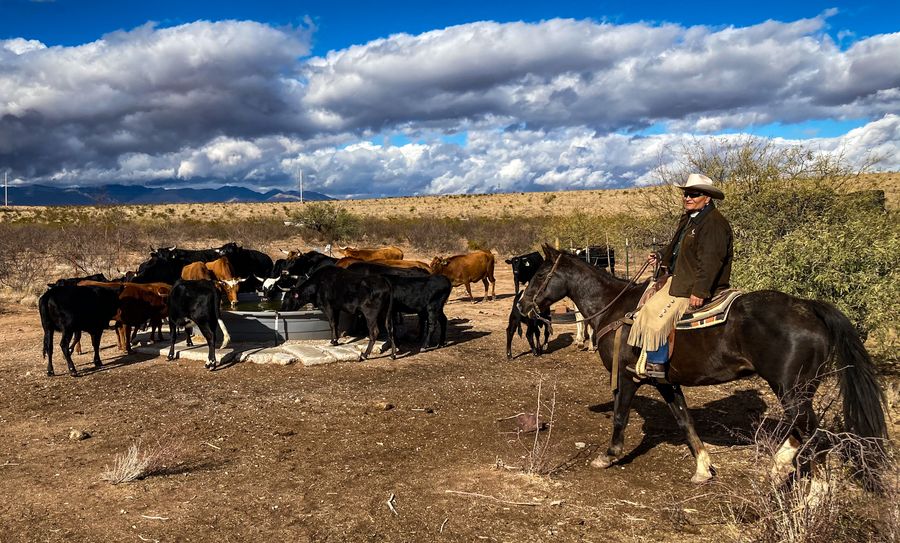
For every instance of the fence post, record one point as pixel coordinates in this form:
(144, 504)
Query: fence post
(627, 269)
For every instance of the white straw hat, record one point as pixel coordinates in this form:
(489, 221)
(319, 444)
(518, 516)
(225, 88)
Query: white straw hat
(701, 183)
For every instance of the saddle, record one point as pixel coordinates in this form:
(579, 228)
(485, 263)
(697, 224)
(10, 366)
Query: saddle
(710, 314)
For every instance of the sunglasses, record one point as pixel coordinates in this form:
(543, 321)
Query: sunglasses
(692, 194)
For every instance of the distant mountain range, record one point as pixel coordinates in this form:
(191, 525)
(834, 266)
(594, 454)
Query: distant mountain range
(42, 195)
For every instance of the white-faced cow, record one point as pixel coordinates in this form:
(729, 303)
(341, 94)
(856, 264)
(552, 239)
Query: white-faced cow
(218, 271)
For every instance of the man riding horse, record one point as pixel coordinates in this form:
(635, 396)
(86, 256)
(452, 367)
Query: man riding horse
(696, 265)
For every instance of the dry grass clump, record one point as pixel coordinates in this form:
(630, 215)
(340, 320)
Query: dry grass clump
(829, 506)
(138, 462)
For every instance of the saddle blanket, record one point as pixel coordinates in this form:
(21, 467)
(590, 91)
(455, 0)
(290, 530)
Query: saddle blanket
(711, 314)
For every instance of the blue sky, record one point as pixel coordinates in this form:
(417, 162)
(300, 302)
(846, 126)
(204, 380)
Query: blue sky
(413, 97)
(342, 23)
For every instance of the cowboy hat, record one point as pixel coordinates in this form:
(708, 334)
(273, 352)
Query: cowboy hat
(700, 183)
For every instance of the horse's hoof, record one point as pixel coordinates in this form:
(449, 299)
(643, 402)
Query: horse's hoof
(602, 461)
(170, 357)
(50, 374)
(74, 373)
(701, 478)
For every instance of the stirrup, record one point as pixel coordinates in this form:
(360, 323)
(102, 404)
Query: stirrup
(656, 371)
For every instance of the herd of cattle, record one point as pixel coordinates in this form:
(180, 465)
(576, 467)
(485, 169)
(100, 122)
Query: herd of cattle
(186, 288)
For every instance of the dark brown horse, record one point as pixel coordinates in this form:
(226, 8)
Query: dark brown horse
(787, 341)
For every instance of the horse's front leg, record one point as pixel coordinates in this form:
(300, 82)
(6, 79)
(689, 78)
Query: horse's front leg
(675, 400)
(621, 410)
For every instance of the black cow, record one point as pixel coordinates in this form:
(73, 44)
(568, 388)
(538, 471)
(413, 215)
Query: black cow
(524, 267)
(71, 310)
(532, 329)
(290, 272)
(165, 264)
(197, 302)
(160, 269)
(248, 263)
(334, 289)
(187, 255)
(415, 291)
(72, 281)
(309, 262)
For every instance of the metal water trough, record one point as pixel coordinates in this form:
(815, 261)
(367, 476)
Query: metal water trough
(274, 326)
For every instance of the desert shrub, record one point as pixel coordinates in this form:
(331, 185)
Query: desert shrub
(849, 263)
(23, 255)
(324, 221)
(776, 506)
(797, 230)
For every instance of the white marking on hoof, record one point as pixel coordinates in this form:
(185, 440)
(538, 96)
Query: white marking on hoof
(602, 461)
(784, 459)
(704, 468)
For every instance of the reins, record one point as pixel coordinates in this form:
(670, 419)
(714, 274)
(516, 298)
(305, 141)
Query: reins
(606, 308)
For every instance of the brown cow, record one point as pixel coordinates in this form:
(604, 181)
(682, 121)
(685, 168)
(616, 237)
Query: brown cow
(138, 304)
(465, 269)
(347, 261)
(382, 253)
(218, 271)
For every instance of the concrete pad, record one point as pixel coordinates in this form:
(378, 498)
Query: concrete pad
(198, 352)
(308, 355)
(344, 353)
(265, 355)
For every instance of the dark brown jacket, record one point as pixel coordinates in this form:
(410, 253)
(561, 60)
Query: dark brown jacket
(703, 266)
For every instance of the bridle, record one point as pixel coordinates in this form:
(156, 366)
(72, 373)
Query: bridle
(535, 315)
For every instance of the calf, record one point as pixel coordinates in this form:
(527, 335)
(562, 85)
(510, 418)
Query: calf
(334, 289)
(532, 329)
(196, 302)
(524, 267)
(415, 292)
(465, 269)
(70, 310)
(139, 304)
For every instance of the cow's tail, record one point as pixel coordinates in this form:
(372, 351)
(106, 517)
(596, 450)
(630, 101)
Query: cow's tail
(863, 398)
(43, 309)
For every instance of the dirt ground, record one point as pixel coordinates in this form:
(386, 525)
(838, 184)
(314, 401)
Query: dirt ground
(292, 453)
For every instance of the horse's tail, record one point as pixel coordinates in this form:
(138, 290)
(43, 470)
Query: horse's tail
(863, 398)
